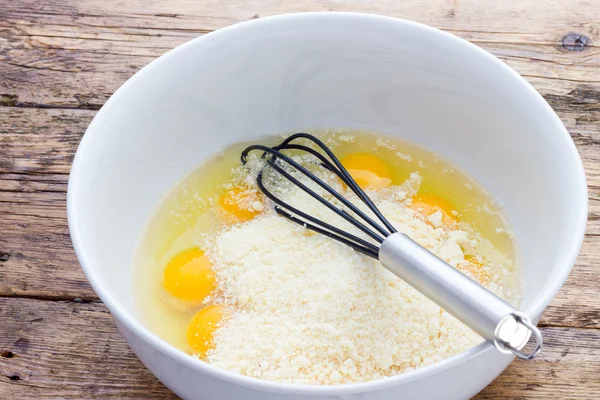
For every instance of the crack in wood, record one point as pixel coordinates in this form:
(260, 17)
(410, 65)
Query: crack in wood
(43, 68)
(556, 78)
(88, 107)
(50, 298)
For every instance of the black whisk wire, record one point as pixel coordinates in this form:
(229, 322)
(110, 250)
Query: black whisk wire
(342, 213)
(348, 180)
(286, 210)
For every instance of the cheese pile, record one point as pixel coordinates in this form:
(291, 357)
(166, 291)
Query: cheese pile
(306, 309)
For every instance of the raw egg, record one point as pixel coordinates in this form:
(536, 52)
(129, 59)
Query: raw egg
(242, 203)
(189, 275)
(368, 171)
(430, 204)
(202, 327)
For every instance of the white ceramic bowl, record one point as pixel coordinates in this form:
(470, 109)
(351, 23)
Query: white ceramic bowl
(324, 70)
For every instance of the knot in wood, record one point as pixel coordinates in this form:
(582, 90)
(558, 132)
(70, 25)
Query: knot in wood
(575, 41)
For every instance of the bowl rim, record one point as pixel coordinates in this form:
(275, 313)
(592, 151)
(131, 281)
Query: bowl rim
(534, 310)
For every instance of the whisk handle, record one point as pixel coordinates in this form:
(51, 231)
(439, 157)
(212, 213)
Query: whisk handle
(478, 308)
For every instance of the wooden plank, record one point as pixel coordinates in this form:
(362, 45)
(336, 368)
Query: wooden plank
(568, 368)
(69, 53)
(54, 349)
(68, 350)
(36, 255)
(38, 146)
(577, 304)
(40, 141)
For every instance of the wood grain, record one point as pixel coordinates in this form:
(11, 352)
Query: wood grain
(567, 369)
(75, 54)
(61, 60)
(48, 351)
(37, 258)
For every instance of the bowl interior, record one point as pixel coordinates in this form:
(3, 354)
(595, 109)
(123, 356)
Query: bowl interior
(325, 71)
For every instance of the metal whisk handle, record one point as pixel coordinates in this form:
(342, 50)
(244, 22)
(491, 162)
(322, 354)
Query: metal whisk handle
(484, 312)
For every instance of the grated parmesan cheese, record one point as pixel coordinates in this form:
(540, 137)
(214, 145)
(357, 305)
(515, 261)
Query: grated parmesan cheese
(310, 310)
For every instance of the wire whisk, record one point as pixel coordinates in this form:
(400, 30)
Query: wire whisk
(508, 329)
(377, 231)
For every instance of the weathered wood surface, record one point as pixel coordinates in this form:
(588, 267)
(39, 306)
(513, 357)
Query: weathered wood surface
(49, 351)
(59, 62)
(71, 53)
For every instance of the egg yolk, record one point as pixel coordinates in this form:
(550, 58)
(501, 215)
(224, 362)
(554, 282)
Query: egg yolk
(202, 327)
(429, 204)
(240, 202)
(189, 276)
(368, 170)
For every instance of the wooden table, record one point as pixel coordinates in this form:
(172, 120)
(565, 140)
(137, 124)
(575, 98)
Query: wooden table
(60, 61)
